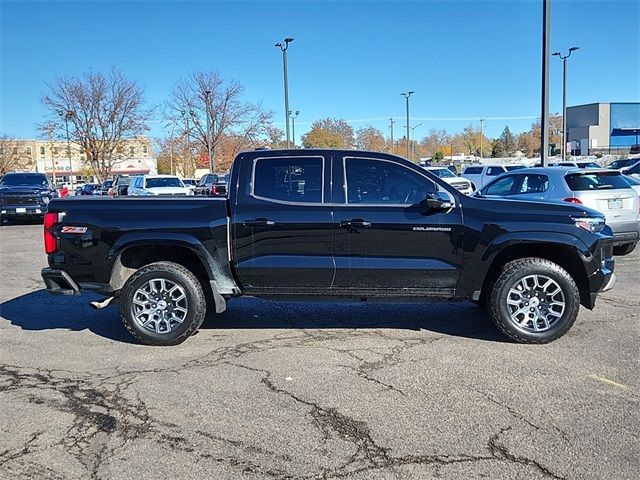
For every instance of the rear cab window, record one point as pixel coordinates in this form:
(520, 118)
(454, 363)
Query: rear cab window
(472, 171)
(494, 171)
(289, 179)
(589, 181)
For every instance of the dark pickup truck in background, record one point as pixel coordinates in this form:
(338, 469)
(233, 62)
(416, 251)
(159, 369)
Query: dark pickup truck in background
(25, 195)
(327, 225)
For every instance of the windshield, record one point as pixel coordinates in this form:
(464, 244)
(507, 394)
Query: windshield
(442, 173)
(164, 182)
(189, 181)
(595, 181)
(123, 180)
(107, 183)
(510, 168)
(589, 165)
(24, 179)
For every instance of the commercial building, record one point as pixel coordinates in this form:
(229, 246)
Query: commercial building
(603, 127)
(135, 156)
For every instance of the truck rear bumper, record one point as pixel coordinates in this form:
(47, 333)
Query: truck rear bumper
(59, 282)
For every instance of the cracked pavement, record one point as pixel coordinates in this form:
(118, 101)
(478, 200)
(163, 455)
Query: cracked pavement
(313, 391)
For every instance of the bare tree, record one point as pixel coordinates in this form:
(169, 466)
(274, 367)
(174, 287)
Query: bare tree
(204, 99)
(103, 111)
(9, 155)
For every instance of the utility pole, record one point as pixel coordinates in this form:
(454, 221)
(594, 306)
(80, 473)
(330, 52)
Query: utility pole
(407, 95)
(187, 132)
(207, 95)
(391, 122)
(171, 150)
(564, 98)
(544, 114)
(66, 115)
(50, 127)
(284, 46)
(481, 137)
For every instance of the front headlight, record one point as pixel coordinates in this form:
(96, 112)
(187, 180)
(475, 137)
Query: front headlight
(590, 224)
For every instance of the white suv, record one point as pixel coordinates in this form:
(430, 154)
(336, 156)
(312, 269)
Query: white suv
(162, 185)
(459, 183)
(480, 175)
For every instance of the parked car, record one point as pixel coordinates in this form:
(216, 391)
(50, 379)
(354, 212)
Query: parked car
(25, 194)
(78, 190)
(633, 170)
(622, 163)
(106, 185)
(190, 183)
(460, 183)
(158, 185)
(634, 150)
(480, 175)
(212, 184)
(120, 186)
(604, 190)
(330, 225)
(577, 165)
(90, 189)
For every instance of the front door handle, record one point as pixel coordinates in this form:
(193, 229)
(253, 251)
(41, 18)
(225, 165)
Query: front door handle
(356, 222)
(259, 222)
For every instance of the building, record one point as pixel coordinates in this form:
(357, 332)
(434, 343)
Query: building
(603, 127)
(51, 157)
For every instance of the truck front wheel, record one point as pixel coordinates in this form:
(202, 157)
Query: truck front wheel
(534, 301)
(162, 304)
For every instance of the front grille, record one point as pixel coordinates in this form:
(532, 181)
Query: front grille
(460, 185)
(19, 200)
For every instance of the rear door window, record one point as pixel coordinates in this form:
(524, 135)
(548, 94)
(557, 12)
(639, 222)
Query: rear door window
(579, 182)
(531, 183)
(289, 179)
(493, 171)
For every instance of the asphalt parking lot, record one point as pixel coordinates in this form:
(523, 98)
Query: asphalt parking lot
(294, 390)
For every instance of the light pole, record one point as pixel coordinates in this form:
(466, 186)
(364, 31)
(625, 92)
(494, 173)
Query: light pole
(391, 122)
(564, 97)
(207, 95)
(284, 46)
(544, 107)
(66, 116)
(185, 117)
(481, 136)
(413, 130)
(293, 116)
(406, 95)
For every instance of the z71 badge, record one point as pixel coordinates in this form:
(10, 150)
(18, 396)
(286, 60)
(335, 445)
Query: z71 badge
(67, 229)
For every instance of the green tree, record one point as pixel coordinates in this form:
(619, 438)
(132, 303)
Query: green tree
(329, 133)
(497, 148)
(508, 142)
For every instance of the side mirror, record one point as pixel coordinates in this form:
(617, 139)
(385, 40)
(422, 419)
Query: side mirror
(435, 201)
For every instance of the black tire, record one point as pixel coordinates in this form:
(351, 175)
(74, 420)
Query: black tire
(625, 249)
(511, 274)
(179, 275)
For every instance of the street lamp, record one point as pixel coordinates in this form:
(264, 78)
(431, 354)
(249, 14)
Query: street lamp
(207, 95)
(564, 97)
(413, 129)
(293, 116)
(66, 116)
(283, 47)
(481, 137)
(406, 95)
(185, 117)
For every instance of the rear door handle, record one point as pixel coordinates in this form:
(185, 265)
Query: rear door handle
(355, 222)
(259, 222)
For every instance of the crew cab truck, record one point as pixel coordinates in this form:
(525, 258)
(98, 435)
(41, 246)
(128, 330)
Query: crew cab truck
(328, 225)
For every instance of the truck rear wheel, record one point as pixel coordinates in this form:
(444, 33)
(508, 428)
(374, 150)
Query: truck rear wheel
(162, 304)
(534, 301)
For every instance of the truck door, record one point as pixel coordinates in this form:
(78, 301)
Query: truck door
(282, 224)
(385, 240)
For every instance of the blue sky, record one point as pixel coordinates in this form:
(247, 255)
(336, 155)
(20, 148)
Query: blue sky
(351, 60)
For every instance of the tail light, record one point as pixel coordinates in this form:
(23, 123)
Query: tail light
(50, 240)
(572, 200)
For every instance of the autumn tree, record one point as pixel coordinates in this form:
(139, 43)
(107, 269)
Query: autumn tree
(329, 133)
(528, 144)
(9, 155)
(103, 111)
(371, 139)
(206, 99)
(435, 141)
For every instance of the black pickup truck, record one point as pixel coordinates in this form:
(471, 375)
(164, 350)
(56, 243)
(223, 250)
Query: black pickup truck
(329, 225)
